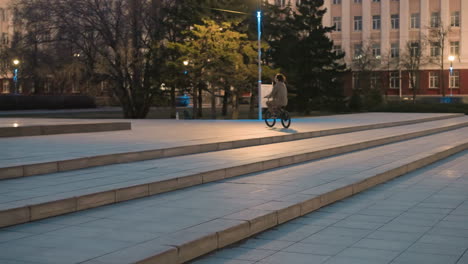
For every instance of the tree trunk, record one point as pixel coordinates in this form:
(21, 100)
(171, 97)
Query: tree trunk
(200, 100)
(225, 101)
(235, 105)
(195, 102)
(252, 104)
(173, 103)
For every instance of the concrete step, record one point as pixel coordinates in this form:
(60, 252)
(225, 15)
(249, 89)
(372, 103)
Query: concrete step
(33, 198)
(420, 217)
(16, 128)
(179, 226)
(63, 163)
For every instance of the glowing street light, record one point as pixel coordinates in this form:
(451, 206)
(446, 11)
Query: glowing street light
(16, 62)
(451, 59)
(185, 62)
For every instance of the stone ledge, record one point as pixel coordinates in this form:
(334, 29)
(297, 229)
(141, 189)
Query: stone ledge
(26, 131)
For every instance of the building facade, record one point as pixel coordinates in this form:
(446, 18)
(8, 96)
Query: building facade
(388, 27)
(6, 34)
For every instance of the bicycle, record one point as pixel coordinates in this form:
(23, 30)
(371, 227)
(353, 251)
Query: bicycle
(270, 117)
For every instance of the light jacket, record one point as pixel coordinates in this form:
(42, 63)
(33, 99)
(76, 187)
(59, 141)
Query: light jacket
(279, 94)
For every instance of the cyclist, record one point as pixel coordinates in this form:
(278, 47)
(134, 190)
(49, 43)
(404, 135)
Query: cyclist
(279, 94)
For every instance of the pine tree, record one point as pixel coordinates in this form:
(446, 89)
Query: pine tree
(301, 48)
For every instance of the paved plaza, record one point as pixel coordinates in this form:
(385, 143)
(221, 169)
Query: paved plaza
(419, 218)
(340, 189)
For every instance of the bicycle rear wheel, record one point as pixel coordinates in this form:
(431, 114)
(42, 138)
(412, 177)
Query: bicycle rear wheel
(270, 118)
(285, 119)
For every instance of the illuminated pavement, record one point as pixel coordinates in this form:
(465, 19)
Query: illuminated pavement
(158, 134)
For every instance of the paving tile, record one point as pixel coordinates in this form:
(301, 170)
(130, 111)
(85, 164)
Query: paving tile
(351, 260)
(6, 236)
(463, 259)
(331, 239)
(214, 260)
(394, 236)
(315, 249)
(293, 258)
(383, 244)
(412, 257)
(291, 233)
(257, 243)
(243, 254)
(439, 249)
(371, 254)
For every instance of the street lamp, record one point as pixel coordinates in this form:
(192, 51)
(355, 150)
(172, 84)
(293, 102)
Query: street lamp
(259, 31)
(16, 62)
(451, 59)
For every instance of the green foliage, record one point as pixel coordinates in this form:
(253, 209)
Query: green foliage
(300, 47)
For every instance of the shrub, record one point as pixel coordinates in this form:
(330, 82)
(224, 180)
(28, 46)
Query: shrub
(30, 102)
(409, 107)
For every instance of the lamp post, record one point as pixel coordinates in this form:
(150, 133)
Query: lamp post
(451, 59)
(259, 31)
(16, 62)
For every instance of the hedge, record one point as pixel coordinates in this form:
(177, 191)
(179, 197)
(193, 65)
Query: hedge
(29, 102)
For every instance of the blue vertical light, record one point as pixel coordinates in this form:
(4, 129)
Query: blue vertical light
(259, 30)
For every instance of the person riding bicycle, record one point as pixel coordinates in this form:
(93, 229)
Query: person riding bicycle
(279, 94)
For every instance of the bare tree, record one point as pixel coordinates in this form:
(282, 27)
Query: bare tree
(437, 38)
(411, 61)
(120, 39)
(366, 65)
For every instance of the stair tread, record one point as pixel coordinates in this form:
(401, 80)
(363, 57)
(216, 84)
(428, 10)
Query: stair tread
(40, 189)
(175, 218)
(150, 135)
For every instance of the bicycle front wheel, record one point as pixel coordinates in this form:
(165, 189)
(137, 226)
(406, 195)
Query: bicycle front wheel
(270, 119)
(286, 119)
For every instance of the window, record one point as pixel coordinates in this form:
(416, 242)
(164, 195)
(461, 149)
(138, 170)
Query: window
(2, 14)
(357, 51)
(415, 20)
(376, 22)
(414, 49)
(337, 49)
(337, 23)
(6, 86)
(395, 50)
(5, 38)
(395, 19)
(455, 79)
(376, 51)
(357, 23)
(435, 49)
(455, 19)
(357, 1)
(435, 19)
(433, 80)
(336, 2)
(376, 1)
(394, 80)
(281, 3)
(455, 48)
